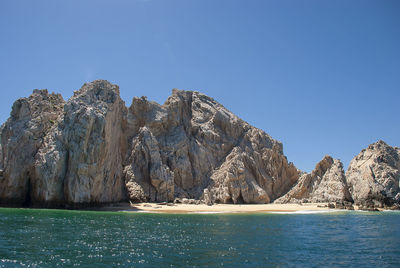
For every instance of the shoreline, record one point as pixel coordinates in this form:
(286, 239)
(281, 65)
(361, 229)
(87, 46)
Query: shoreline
(179, 208)
(219, 208)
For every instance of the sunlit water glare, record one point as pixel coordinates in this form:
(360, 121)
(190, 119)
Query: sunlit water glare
(46, 238)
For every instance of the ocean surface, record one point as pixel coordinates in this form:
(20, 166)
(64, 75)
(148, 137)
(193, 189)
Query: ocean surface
(49, 238)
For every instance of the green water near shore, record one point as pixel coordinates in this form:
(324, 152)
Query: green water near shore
(48, 238)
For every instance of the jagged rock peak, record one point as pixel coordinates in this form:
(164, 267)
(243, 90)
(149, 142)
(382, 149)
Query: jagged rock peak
(326, 183)
(98, 90)
(383, 148)
(187, 95)
(374, 174)
(38, 102)
(322, 166)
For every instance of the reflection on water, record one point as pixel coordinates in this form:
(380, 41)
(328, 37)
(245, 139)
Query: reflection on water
(343, 239)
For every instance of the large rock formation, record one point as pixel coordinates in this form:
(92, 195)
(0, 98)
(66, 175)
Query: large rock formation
(374, 176)
(94, 150)
(20, 139)
(81, 159)
(192, 145)
(326, 183)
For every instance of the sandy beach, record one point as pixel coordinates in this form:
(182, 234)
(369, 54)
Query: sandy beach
(218, 208)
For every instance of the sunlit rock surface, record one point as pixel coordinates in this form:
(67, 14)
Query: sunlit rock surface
(326, 183)
(93, 150)
(374, 175)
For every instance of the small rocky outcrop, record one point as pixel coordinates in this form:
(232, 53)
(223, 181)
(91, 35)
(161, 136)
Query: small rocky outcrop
(374, 175)
(326, 183)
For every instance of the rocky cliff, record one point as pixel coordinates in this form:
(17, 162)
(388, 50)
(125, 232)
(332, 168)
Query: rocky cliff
(80, 160)
(374, 176)
(371, 180)
(326, 183)
(193, 147)
(20, 139)
(93, 150)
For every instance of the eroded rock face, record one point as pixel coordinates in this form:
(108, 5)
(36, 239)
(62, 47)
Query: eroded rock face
(92, 150)
(147, 177)
(21, 137)
(81, 159)
(192, 145)
(326, 183)
(374, 175)
(94, 137)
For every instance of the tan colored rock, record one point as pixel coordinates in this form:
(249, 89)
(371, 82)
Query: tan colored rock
(93, 150)
(233, 181)
(81, 159)
(50, 168)
(147, 177)
(374, 175)
(21, 137)
(203, 146)
(326, 183)
(93, 134)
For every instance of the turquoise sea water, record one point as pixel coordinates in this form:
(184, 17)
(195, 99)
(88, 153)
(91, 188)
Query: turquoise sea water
(48, 238)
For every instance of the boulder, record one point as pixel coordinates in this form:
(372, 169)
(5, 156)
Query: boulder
(374, 174)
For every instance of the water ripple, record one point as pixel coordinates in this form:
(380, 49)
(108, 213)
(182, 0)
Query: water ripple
(48, 238)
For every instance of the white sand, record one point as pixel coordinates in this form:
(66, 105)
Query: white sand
(224, 208)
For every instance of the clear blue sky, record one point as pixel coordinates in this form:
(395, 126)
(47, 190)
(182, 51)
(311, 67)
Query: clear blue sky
(323, 77)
